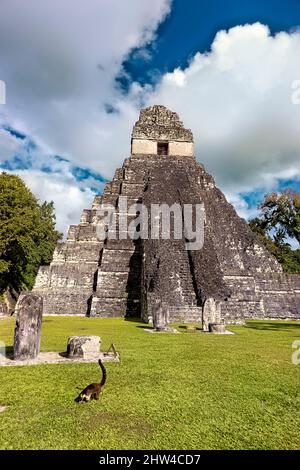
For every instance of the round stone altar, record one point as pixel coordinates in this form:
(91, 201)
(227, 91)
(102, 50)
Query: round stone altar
(86, 347)
(219, 329)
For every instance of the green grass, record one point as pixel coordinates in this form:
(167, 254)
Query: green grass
(187, 391)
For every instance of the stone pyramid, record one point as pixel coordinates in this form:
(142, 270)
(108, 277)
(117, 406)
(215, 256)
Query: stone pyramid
(123, 276)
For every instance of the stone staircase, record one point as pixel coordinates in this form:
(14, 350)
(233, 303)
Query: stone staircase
(118, 288)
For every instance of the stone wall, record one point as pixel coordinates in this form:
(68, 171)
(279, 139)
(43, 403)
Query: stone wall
(159, 123)
(274, 296)
(144, 146)
(149, 147)
(67, 284)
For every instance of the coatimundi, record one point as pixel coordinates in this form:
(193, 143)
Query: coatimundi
(92, 391)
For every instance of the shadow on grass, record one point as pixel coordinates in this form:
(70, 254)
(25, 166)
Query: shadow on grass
(186, 328)
(135, 320)
(9, 350)
(272, 326)
(180, 328)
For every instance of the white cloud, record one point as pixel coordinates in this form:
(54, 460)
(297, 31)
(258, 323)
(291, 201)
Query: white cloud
(60, 72)
(237, 101)
(9, 145)
(240, 205)
(59, 60)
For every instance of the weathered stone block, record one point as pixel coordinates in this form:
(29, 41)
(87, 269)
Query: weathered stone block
(86, 347)
(217, 328)
(160, 316)
(211, 313)
(27, 336)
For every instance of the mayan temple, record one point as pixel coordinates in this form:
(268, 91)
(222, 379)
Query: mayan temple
(122, 276)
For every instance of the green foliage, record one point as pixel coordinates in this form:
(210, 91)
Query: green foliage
(27, 234)
(281, 212)
(185, 391)
(280, 218)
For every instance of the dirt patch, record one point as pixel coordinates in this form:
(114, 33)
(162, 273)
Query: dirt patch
(3, 408)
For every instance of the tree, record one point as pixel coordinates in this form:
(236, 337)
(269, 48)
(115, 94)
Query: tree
(279, 219)
(27, 234)
(281, 212)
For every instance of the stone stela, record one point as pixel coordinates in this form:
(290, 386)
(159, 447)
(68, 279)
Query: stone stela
(231, 278)
(27, 335)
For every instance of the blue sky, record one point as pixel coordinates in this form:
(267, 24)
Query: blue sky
(75, 86)
(192, 25)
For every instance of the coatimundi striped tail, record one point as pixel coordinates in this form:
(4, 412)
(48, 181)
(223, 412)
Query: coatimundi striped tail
(92, 391)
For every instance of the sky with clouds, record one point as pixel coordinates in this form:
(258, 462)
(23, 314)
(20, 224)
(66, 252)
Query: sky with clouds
(77, 73)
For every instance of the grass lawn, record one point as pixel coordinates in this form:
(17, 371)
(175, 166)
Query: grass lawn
(187, 391)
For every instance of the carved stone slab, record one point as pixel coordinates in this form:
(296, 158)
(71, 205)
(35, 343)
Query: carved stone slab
(83, 346)
(27, 336)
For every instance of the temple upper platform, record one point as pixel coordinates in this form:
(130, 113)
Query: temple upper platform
(159, 131)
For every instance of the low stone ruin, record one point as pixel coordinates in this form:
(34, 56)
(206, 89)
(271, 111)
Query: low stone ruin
(85, 347)
(219, 329)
